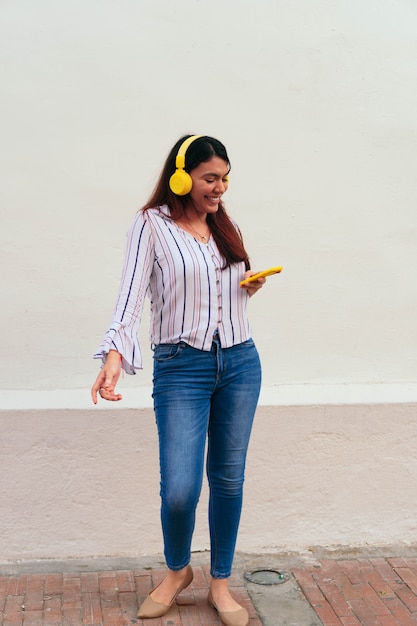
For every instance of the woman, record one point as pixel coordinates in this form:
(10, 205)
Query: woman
(187, 254)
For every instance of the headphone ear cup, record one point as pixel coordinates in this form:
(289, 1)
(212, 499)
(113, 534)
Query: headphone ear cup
(181, 183)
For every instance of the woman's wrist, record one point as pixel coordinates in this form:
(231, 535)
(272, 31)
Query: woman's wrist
(115, 355)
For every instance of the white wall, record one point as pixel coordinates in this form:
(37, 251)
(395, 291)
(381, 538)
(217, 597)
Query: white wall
(316, 104)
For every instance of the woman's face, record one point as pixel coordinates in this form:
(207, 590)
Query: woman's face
(209, 184)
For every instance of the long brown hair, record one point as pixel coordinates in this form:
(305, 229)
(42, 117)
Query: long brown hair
(228, 239)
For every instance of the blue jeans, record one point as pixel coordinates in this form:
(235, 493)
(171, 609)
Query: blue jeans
(199, 395)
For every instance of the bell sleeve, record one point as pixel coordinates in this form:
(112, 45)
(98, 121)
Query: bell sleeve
(122, 334)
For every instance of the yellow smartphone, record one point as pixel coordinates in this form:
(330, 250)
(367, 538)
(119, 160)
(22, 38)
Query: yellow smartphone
(272, 270)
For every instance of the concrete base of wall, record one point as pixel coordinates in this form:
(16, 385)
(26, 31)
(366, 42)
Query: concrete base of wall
(84, 482)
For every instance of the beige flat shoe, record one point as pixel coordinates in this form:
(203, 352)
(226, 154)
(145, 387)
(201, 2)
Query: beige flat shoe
(149, 608)
(231, 618)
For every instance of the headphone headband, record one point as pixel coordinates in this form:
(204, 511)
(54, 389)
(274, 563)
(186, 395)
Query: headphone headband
(180, 158)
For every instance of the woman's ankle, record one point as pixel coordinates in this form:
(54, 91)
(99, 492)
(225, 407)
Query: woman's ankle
(221, 596)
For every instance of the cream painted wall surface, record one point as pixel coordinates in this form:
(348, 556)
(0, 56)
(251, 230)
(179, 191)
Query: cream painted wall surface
(82, 485)
(316, 103)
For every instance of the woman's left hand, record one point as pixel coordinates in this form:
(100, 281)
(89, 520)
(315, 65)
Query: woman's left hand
(255, 285)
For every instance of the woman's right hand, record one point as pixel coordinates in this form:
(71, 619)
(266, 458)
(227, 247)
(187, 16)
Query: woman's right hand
(107, 378)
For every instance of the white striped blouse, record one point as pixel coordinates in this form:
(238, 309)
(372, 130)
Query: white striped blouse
(191, 296)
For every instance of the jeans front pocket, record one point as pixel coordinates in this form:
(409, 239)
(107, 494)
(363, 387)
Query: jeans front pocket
(167, 351)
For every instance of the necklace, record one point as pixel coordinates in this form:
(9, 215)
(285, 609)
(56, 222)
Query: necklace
(204, 238)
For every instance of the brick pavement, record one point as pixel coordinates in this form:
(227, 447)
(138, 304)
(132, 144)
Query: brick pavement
(107, 598)
(343, 591)
(363, 591)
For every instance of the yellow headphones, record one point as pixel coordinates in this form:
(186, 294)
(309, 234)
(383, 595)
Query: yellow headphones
(181, 182)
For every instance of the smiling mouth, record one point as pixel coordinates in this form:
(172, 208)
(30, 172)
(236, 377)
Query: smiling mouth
(216, 199)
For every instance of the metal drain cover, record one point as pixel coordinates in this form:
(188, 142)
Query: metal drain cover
(267, 576)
